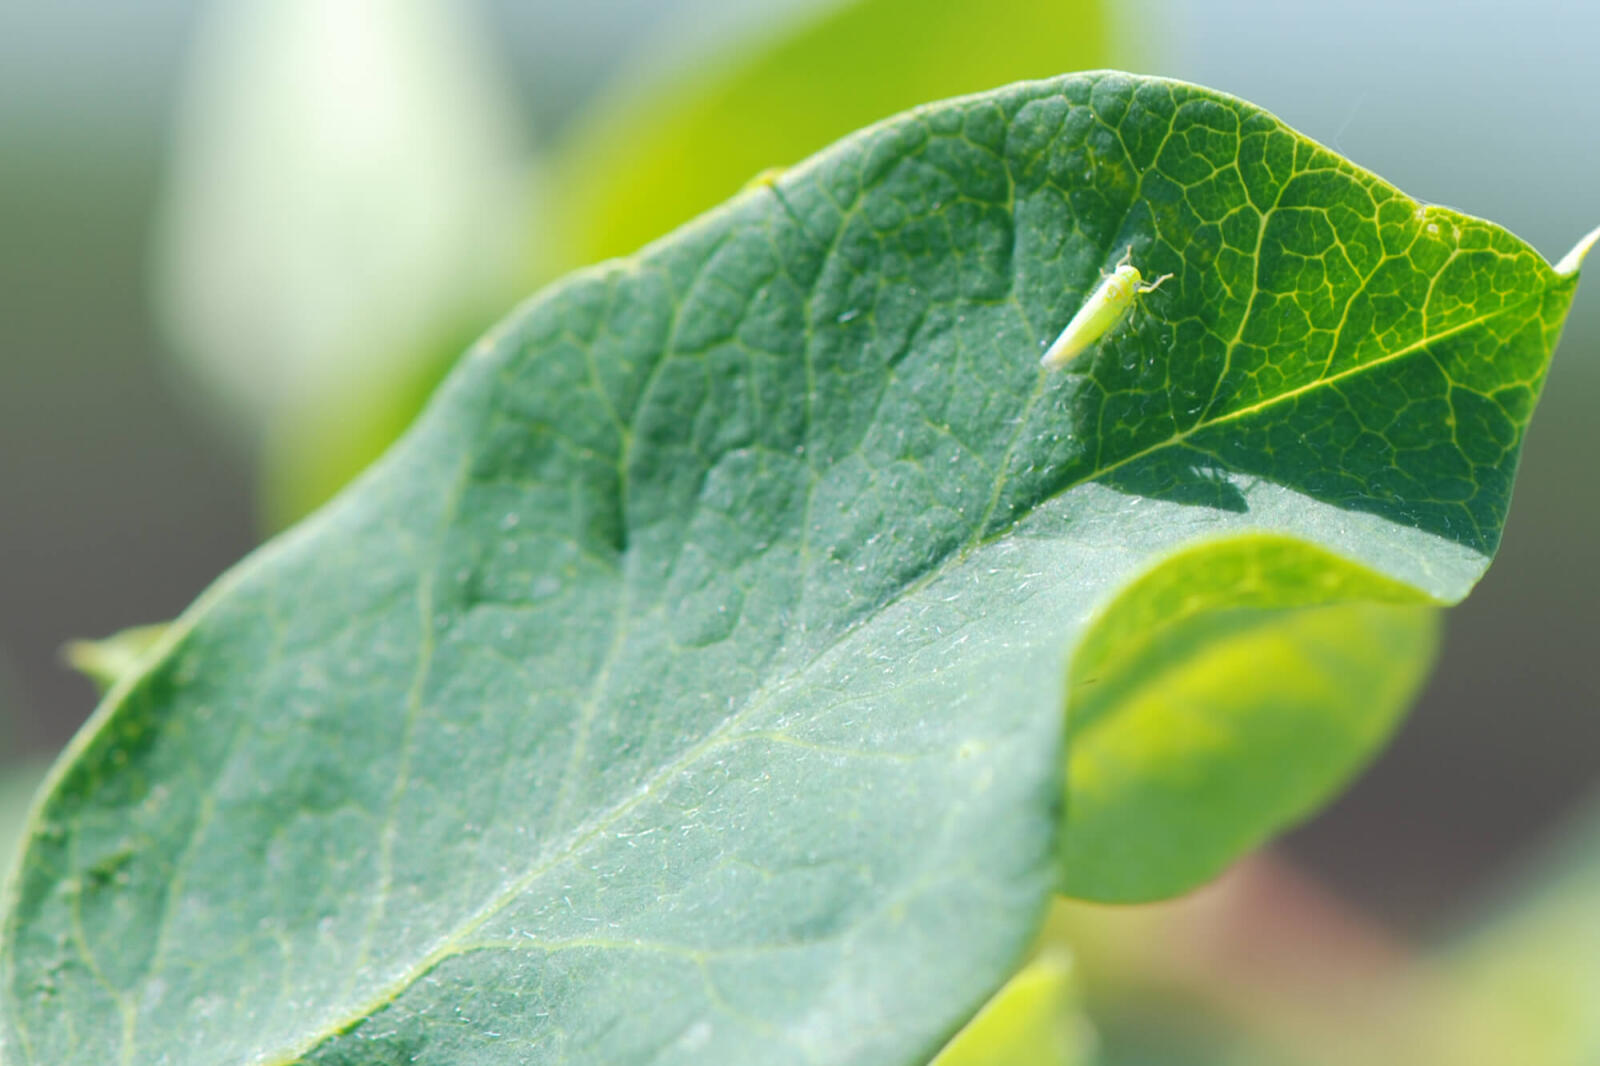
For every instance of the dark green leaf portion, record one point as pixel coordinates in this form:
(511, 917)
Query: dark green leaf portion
(687, 686)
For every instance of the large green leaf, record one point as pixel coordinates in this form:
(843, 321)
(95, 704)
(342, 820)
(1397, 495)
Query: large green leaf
(689, 683)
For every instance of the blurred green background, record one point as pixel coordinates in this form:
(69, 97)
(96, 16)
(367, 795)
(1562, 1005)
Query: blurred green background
(239, 240)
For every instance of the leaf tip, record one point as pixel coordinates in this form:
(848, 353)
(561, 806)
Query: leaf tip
(1574, 259)
(105, 662)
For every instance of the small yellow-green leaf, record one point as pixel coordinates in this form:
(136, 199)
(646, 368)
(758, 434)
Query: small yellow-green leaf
(1035, 1020)
(1224, 695)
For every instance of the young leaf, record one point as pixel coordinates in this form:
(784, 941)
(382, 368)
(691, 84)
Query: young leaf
(689, 684)
(1034, 1020)
(1222, 696)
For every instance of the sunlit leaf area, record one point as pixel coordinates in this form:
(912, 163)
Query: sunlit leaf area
(539, 533)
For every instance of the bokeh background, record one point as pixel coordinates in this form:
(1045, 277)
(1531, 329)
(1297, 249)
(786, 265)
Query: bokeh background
(239, 240)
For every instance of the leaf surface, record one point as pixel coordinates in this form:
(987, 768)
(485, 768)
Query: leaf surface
(689, 684)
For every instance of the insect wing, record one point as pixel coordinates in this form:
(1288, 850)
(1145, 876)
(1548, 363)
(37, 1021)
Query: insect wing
(1100, 312)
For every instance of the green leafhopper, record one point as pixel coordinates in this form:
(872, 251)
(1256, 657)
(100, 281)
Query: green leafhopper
(1106, 306)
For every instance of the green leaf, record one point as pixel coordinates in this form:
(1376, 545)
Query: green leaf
(1033, 1021)
(689, 684)
(663, 150)
(1223, 695)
